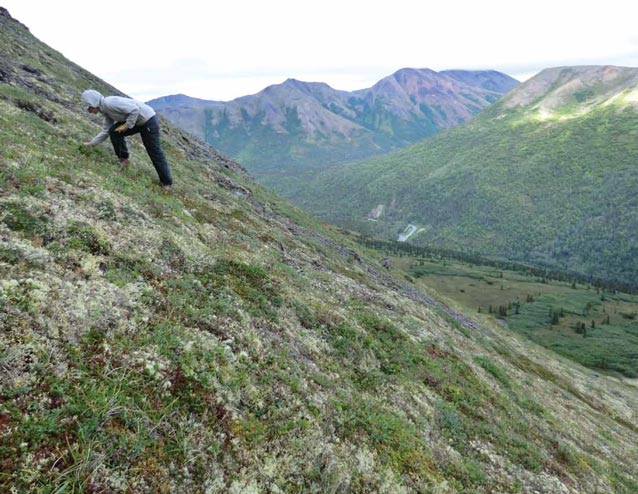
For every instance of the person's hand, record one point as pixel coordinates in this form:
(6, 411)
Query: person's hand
(87, 143)
(121, 128)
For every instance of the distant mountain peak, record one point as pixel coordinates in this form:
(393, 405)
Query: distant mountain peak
(179, 100)
(412, 72)
(579, 86)
(309, 124)
(291, 81)
(304, 86)
(491, 80)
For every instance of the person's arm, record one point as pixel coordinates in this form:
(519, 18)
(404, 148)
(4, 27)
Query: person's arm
(104, 133)
(131, 120)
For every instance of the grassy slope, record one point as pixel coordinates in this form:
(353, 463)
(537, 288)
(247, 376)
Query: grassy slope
(560, 192)
(216, 339)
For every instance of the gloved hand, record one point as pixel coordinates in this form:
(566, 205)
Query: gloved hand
(121, 128)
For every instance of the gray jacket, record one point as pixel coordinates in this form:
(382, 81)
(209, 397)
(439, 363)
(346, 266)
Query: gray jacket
(118, 109)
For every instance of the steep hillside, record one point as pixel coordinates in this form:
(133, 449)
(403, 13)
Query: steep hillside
(216, 339)
(547, 174)
(297, 127)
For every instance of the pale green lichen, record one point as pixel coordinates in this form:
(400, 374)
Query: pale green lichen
(209, 342)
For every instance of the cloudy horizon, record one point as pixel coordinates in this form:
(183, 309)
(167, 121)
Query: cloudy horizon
(221, 52)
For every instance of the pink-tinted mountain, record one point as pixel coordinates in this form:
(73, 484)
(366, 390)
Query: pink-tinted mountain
(295, 127)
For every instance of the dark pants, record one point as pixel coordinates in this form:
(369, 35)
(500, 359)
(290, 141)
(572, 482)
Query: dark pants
(150, 133)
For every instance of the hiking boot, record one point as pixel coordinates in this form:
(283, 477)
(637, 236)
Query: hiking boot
(124, 162)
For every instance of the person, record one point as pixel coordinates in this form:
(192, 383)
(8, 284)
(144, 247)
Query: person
(124, 117)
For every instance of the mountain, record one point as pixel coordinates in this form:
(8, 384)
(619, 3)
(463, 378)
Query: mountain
(179, 100)
(287, 129)
(490, 80)
(213, 338)
(547, 174)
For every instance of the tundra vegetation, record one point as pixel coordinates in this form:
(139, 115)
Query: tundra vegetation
(217, 339)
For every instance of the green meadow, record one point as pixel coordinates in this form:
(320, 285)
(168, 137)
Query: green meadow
(596, 327)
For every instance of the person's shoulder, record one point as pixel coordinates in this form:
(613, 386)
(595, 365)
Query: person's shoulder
(117, 99)
(119, 103)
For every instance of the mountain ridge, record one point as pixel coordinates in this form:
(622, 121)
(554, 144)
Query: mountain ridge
(528, 178)
(179, 100)
(294, 127)
(562, 85)
(217, 339)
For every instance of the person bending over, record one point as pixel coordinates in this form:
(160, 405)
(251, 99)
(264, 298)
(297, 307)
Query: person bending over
(125, 117)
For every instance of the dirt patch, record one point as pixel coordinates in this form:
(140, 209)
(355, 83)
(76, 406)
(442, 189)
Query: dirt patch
(36, 109)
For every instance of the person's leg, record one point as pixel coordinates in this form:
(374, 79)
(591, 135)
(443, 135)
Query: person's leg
(150, 132)
(119, 142)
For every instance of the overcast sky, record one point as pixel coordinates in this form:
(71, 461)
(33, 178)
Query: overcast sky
(229, 48)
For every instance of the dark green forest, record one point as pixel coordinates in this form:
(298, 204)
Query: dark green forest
(559, 192)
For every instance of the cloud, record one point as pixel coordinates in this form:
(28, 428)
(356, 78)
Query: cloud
(223, 50)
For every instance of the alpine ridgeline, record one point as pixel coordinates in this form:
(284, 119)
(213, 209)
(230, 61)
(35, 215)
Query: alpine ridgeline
(547, 174)
(291, 130)
(216, 339)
